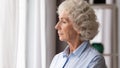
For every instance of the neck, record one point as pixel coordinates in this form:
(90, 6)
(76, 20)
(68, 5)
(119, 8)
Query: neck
(73, 44)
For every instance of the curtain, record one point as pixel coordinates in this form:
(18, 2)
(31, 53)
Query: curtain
(12, 46)
(41, 19)
(8, 33)
(27, 34)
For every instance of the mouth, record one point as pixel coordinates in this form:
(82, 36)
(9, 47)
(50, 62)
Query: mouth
(59, 33)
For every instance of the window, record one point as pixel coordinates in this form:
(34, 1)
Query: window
(107, 35)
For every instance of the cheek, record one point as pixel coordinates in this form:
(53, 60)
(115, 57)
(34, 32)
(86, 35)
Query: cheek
(66, 35)
(70, 33)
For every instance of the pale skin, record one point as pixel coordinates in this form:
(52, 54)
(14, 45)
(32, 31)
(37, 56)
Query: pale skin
(67, 32)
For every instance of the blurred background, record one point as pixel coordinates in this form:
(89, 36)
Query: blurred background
(28, 38)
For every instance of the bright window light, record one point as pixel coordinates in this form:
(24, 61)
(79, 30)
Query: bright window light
(43, 38)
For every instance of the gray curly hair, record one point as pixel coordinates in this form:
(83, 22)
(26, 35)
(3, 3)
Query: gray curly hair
(82, 15)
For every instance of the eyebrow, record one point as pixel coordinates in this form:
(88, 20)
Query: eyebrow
(63, 18)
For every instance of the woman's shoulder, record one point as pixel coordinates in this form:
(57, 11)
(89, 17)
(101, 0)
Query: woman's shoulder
(92, 52)
(93, 56)
(58, 55)
(97, 59)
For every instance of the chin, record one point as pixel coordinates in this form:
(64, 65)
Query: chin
(61, 39)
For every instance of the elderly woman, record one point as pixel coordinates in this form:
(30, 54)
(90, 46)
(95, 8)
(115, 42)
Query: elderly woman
(77, 25)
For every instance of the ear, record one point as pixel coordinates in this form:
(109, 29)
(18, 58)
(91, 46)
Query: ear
(78, 31)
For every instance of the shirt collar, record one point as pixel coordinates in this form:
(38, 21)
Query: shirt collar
(66, 51)
(78, 51)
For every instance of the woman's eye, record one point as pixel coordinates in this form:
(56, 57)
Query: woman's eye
(64, 22)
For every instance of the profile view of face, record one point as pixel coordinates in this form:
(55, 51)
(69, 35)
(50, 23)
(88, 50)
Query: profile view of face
(65, 28)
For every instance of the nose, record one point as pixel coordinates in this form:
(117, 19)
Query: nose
(57, 26)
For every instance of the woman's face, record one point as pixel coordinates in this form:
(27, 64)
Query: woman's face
(65, 28)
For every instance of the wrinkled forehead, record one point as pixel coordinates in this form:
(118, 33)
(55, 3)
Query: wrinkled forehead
(63, 15)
